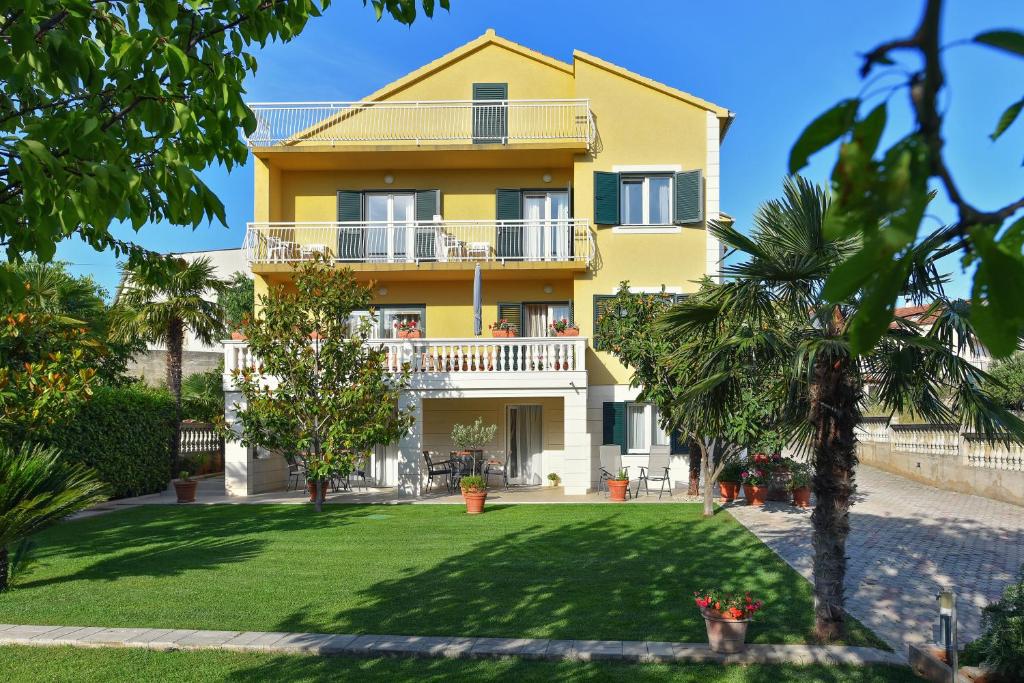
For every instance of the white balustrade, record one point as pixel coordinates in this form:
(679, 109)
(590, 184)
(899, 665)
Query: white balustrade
(926, 438)
(501, 357)
(554, 240)
(993, 455)
(417, 122)
(873, 430)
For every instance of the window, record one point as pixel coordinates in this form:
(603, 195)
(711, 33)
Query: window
(355, 321)
(646, 199)
(642, 428)
(389, 214)
(538, 317)
(386, 317)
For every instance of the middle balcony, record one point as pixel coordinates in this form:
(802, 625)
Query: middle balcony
(555, 244)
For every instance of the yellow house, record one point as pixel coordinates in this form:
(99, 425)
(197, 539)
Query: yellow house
(556, 181)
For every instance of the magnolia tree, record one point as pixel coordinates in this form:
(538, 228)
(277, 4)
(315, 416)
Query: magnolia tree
(318, 391)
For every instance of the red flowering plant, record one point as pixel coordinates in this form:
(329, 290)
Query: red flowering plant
(503, 325)
(732, 606)
(562, 325)
(406, 325)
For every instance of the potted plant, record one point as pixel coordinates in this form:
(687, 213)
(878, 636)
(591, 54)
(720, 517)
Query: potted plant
(729, 481)
(564, 328)
(471, 439)
(726, 617)
(555, 479)
(777, 475)
(238, 335)
(800, 484)
(474, 492)
(618, 485)
(755, 485)
(502, 328)
(185, 487)
(408, 329)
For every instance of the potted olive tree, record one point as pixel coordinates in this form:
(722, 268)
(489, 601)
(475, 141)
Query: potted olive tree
(471, 439)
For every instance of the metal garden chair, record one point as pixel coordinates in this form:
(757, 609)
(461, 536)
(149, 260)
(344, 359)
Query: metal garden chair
(657, 470)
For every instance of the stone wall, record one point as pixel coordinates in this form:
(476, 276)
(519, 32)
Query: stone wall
(152, 365)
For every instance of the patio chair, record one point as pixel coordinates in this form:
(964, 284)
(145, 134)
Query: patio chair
(359, 472)
(296, 471)
(499, 468)
(611, 463)
(437, 469)
(657, 470)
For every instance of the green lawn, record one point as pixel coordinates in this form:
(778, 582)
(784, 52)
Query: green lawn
(540, 571)
(30, 664)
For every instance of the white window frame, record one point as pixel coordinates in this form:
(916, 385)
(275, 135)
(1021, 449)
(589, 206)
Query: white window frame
(644, 180)
(391, 223)
(651, 429)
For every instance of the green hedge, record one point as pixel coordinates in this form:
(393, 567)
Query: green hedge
(125, 434)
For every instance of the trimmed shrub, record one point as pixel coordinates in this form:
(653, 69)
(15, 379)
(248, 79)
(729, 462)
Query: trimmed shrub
(125, 434)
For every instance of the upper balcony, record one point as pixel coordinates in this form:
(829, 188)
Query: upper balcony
(470, 132)
(565, 244)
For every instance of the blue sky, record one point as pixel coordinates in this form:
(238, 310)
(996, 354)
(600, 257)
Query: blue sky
(776, 64)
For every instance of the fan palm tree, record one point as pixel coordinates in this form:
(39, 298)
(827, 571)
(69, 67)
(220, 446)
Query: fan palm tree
(772, 309)
(162, 311)
(39, 487)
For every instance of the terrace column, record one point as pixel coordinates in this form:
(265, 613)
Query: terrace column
(410, 449)
(577, 476)
(237, 458)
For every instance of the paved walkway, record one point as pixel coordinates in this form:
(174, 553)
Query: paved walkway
(424, 646)
(907, 541)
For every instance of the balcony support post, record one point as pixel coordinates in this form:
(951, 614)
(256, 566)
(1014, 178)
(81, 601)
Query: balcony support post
(410, 448)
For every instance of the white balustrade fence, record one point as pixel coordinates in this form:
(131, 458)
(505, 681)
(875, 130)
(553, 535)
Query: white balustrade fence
(417, 122)
(979, 452)
(556, 240)
(488, 356)
(429, 357)
(199, 438)
(926, 438)
(873, 430)
(970, 449)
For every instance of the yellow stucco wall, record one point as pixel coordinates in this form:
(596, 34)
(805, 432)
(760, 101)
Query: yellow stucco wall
(439, 415)
(637, 125)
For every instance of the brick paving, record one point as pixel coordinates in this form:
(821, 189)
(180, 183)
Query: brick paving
(432, 646)
(907, 541)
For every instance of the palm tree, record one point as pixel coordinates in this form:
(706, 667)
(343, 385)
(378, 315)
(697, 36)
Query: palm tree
(39, 487)
(777, 312)
(161, 311)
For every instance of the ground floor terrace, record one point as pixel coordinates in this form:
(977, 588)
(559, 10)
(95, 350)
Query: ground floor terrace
(572, 431)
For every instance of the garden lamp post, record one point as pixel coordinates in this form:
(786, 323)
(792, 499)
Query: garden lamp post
(947, 628)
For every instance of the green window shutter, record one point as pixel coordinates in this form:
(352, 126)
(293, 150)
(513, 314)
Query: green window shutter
(351, 245)
(606, 198)
(689, 197)
(512, 312)
(490, 121)
(509, 207)
(600, 308)
(428, 204)
(614, 424)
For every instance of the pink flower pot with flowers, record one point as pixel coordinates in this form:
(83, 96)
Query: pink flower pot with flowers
(502, 328)
(408, 329)
(564, 328)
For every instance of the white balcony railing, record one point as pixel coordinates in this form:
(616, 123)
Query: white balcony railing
(560, 240)
(441, 358)
(438, 121)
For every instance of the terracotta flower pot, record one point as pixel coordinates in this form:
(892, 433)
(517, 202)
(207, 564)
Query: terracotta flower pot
(568, 332)
(186, 490)
(311, 487)
(617, 488)
(237, 335)
(730, 490)
(802, 497)
(755, 495)
(726, 636)
(410, 334)
(474, 501)
(503, 333)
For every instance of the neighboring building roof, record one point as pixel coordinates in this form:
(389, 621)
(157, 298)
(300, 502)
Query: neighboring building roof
(918, 313)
